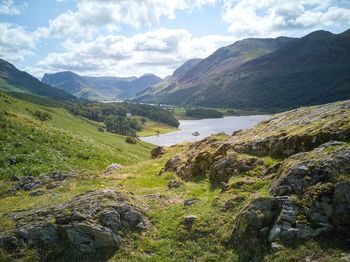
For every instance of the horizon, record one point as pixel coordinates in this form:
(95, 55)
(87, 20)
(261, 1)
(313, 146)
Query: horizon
(125, 38)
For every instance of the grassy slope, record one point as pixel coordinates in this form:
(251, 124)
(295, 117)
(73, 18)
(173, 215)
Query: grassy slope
(64, 142)
(166, 240)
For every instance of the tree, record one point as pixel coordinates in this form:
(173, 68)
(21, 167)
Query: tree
(143, 120)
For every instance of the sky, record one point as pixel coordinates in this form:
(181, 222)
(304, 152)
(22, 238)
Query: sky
(135, 37)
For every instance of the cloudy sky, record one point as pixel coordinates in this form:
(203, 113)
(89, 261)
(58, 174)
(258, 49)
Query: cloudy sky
(134, 37)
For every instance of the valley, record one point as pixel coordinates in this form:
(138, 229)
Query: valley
(243, 155)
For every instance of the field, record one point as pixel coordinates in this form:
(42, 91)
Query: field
(151, 128)
(31, 146)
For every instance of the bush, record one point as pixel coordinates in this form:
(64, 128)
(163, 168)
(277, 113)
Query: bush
(43, 116)
(122, 125)
(130, 140)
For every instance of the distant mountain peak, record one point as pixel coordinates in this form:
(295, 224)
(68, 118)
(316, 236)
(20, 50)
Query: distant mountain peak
(100, 88)
(319, 34)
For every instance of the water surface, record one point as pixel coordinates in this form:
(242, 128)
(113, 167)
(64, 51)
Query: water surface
(205, 127)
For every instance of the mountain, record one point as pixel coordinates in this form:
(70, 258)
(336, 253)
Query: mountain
(187, 66)
(268, 74)
(100, 88)
(19, 82)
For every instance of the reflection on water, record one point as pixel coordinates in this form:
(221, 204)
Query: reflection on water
(205, 127)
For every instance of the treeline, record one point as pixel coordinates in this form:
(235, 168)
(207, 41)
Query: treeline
(115, 115)
(201, 113)
(156, 114)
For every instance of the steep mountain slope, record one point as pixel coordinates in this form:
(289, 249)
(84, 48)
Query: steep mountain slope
(100, 88)
(187, 66)
(286, 74)
(170, 80)
(14, 80)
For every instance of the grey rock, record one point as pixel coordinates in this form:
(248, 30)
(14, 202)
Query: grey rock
(301, 171)
(341, 204)
(157, 151)
(53, 185)
(259, 214)
(276, 246)
(233, 202)
(87, 227)
(188, 221)
(172, 164)
(113, 167)
(191, 201)
(274, 233)
(37, 193)
(174, 184)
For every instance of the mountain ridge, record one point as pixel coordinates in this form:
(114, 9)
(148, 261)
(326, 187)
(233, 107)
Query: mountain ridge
(100, 88)
(253, 73)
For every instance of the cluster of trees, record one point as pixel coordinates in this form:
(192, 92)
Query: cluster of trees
(122, 125)
(154, 113)
(201, 113)
(115, 115)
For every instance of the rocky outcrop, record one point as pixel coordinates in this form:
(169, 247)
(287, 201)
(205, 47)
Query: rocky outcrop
(320, 183)
(27, 183)
(295, 131)
(252, 227)
(85, 228)
(282, 136)
(157, 151)
(321, 165)
(302, 156)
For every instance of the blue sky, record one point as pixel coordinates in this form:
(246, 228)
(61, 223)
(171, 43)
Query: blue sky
(134, 37)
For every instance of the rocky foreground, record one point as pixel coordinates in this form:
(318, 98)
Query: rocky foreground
(309, 186)
(278, 185)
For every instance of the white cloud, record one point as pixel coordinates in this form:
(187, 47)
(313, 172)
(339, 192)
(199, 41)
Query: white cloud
(8, 7)
(160, 52)
(94, 16)
(15, 42)
(265, 18)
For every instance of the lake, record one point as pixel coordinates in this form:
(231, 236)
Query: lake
(205, 127)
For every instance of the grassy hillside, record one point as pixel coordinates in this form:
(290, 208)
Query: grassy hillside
(30, 146)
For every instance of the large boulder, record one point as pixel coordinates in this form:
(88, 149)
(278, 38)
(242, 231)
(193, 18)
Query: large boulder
(321, 165)
(252, 226)
(157, 151)
(85, 228)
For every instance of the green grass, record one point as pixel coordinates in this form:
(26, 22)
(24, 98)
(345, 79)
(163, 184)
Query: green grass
(29, 146)
(151, 128)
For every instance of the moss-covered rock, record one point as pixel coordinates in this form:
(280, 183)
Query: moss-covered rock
(252, 227)
(321, 165)
(85, 228)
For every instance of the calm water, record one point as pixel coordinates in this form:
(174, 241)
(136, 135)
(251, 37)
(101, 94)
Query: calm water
(205, 127)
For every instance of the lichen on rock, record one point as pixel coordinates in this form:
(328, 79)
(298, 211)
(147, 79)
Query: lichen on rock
(86, 227)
